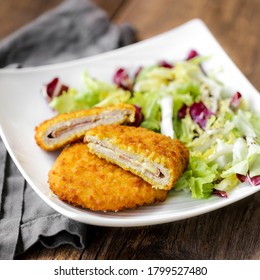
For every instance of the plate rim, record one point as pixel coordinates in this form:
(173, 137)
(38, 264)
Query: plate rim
(77, 61)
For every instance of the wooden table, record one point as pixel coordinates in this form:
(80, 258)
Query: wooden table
(228, 233)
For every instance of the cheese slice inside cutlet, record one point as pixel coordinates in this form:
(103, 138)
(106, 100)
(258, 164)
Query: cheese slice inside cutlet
(66, 128)
(154, 157)
(83, 179)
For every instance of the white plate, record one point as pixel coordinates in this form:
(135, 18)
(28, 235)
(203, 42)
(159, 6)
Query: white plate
(22, 108)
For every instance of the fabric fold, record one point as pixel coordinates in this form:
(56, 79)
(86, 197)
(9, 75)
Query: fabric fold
(11, 214)
(75, 29)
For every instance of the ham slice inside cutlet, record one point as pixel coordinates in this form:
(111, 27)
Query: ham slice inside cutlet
(137, 162)
(70, 127)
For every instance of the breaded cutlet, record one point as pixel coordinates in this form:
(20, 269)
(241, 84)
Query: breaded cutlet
(154, 157)
(66, 128)
(82, 179)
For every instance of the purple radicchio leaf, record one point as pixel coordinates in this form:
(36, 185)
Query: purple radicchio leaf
(200, 113)
(183, 111)
(53, 89)
(122, 80)
(253, 181)
(192, 54)
(165, 64)
(235, 100)
(139, 117)
(219, 193)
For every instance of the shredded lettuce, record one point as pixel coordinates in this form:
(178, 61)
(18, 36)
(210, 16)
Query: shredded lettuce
(94, 93)
(217, 145)
(166, 125)
(246, 155)
(149, 102)
(67, 102)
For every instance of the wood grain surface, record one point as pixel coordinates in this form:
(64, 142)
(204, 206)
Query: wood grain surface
(228, 233)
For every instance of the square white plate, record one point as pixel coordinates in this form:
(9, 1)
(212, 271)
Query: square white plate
(22, 107)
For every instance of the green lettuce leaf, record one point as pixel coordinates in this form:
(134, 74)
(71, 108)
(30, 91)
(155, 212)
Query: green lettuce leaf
(150, 108)
(94, 93)
(67, 102)
(198, 178)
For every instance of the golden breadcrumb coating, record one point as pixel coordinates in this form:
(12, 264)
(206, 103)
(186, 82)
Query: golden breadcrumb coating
(82, 179)
(66, 128)
(161, 151)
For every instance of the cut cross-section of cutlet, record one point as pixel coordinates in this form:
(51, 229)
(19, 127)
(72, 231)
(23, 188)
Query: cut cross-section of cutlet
(83, 179)
(156, 158)
(66, 128)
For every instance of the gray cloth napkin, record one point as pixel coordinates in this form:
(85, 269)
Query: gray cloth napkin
(76, 28)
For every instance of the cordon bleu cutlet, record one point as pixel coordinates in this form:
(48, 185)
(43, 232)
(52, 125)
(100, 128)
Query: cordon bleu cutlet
(83, 179)
(154, 157)
(66, 128)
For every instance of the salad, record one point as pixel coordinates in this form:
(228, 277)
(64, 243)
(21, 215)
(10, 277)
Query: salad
(182, 101)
